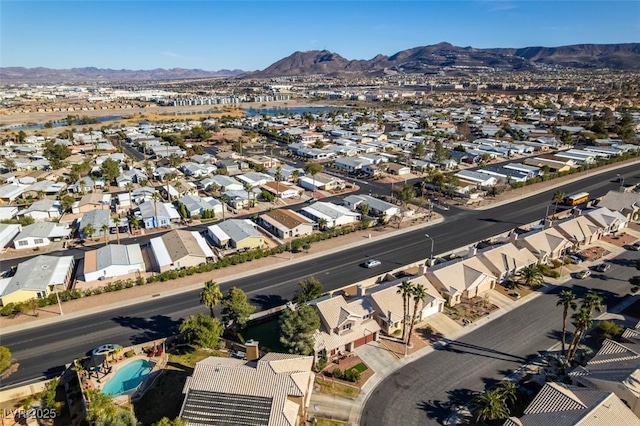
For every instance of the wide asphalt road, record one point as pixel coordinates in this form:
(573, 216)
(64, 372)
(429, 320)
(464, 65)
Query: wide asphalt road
(424, 392)
(44, 350)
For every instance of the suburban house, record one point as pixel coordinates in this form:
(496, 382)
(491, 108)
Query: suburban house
(274, 390)
(282, 189)
(579, 230)
(461, 278)
(112, 260)
(565, 405)
(97, 219)
(388, 303)
(236, 233)
(226, 183)
(7, 233)
(40, 234)
(8, 212)
(156, 214)
(609, 221)
(322, 181)
(398, 169)
(253, 179)
(376, 206)
(505, 260)
(231, 165)
(36, 278)
(197, 206)
(10, 192)
(546, 244)
(331, 214)
(179, 249)
(614, 368)
(285, 223)
(131, 176)
(627, 203)
(43, 210)
(92, 202)
(86, 184)
(344, 325)
(287, 172)
(482, 180)
(241, 199)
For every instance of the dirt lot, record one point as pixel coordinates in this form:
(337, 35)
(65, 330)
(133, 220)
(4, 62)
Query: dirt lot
(621, 239)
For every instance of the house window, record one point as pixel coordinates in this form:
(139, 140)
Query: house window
(38, 241)
(23, 242)
(346, 326)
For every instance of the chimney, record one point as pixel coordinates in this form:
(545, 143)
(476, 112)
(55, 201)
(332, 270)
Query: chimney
(253, 350)
(422, 268)
(548, 223)
(361, 290)
(472, 251)
(513, 236)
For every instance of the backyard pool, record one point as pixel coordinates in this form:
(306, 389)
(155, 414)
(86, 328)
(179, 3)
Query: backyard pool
(128, 377)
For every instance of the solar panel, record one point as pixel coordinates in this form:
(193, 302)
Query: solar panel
(215, 408)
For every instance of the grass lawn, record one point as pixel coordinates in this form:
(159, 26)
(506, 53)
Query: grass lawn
(326, 422)
(165, 398)
(360, 367)
(328, 386)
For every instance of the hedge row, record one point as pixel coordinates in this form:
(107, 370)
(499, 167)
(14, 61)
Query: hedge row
(296, 245)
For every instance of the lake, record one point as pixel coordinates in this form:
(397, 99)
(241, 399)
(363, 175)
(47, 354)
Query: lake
(252, 112)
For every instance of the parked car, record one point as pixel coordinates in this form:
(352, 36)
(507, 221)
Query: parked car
(576, 258)
(603, 267)
(105, 349)
(372, 263)
(635, 246)
(581, 275)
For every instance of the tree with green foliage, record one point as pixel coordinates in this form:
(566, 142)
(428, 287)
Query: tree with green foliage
(183, 211)
(558, 196)
(202, 331)
(236, 308)
(88, 230)
(566, 299)
(100, 406)
(310, 288)
(5, 358)
(508, 391)
(530, 276)
(165, 421)
(267, 196)
(489, 406)
(609, 330)
(211, 296)
(419, 295)
(110, 169)
(404, 289)
(56, 153)
(278, 177)
(592, 302)
(297, 328)
(582, 321)
(122, 417)
(9, 164)
(105, 232)
(440, 153)
(313, 168)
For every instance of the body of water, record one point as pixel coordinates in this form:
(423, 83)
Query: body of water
(252, 112)
(128, 378)
(61, 123)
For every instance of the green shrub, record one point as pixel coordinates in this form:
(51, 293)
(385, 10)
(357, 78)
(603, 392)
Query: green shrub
(129, 354)
(8, 310)
(337, 373)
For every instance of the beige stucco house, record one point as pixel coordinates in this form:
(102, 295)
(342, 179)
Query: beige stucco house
(461, 278)
(579, 230)
(506, 260)
(545, 244)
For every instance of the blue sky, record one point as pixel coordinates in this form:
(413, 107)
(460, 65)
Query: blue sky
(251, 35)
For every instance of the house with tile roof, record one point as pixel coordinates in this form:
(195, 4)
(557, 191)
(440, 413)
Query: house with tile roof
(461, 278)
(627, 203)
(579, 230)
(274, 390)
(609, 221)
(545, 244)
(344, 325)
(179, 249)
(614, 368)
(558, 404)
(285, 223)
(36, 278)
(506, 260)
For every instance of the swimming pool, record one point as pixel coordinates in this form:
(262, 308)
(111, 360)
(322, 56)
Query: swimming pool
(128, 377)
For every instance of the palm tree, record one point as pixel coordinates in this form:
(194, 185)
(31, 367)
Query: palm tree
(558, 196)
(530, 276)
(129, 187)
(156, 198)
(592, 302)
(507, 390)
(169, 177)
(419, 296)
(404, 289)
(489, 406)
(210, 296)
(322, 223)
(248, 188)
(278, 177)
(582, 321)
(105, 232)
(566, 300)
(313, 169)
(296, 175)
(116, 220)
(88, 231)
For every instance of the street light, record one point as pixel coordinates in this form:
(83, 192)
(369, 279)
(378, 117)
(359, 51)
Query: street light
(621, 180)
(431, 254)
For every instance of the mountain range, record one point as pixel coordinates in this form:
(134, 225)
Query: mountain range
(421, 60)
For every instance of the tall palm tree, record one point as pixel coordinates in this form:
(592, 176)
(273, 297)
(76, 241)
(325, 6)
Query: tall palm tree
(105, 232)
(169, 177)
(530, 276)
(419, 296)
(296, 175)
(210, 296)
(404, 289)
(582, 321)
(592, 302)
(156, 198)
(117, 221)
(88, 231)
(278, 177)
(558, 196)
(313, 169)
(322, 223)
(129, 187)
(249, 188)
(566, 300)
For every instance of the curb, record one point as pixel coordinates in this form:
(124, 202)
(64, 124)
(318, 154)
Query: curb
(232, 277)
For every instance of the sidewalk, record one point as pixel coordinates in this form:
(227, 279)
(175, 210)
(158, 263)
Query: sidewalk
(131, 296)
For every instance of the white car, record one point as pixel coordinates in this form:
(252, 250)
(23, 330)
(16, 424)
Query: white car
(372, 263)
(105, 349)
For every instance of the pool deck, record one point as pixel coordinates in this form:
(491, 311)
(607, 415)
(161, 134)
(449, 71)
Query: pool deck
(158, 365)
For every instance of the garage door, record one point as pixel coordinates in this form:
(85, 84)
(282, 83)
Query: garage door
(364, 340)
